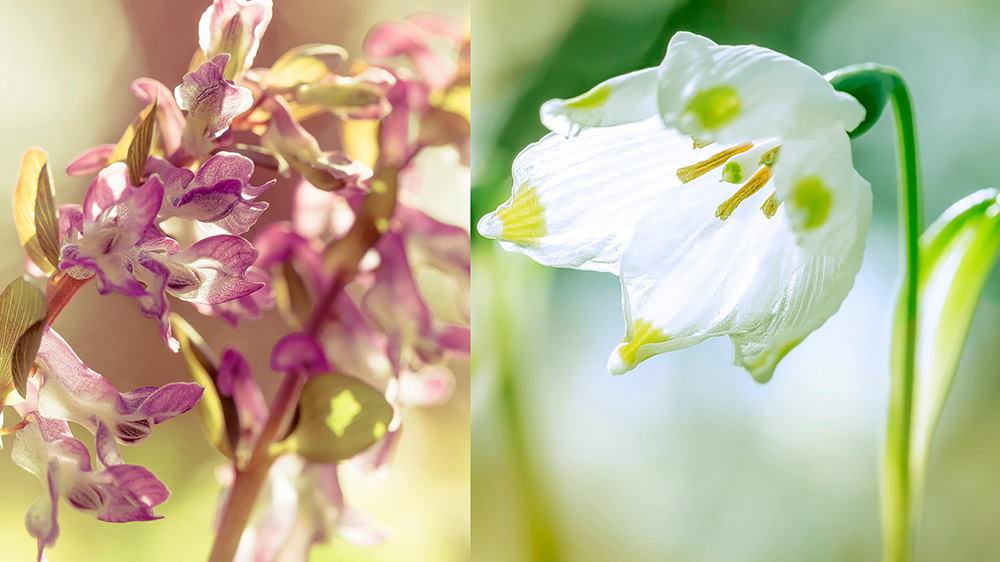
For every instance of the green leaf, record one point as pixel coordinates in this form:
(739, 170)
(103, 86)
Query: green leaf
(339, 417)
(138, 149)
(218, 413)
(34, 211)
(23, 310)
(957, 253)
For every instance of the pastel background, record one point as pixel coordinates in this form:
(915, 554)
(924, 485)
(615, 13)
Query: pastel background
(687, 458)
(65, 71)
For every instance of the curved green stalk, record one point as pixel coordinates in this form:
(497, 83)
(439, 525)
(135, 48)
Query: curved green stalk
(896, 484)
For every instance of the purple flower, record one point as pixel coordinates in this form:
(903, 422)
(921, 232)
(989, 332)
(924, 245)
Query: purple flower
(220, 193)
(169, 119)
(417, 38)
(71, 391)
(237, 381)
(287, 139)
(248, 307)
(212, 102)
(210, 272)
(234, 27)
(115, 215)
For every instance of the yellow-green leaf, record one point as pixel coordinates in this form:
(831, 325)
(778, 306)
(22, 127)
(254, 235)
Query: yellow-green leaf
(957, 254)
(23, 310)
(46, 219)
(292, 295)
(26, 193)
(138, 148)
(218, 413)
(339, 417)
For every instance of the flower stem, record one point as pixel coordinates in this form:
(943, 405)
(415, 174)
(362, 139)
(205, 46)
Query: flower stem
(61, 289)
(342, 263)
(896, 483)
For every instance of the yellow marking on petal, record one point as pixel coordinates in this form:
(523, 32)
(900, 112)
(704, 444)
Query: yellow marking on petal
(749, 188)
(715, 107)
(524, 219)
(593, 99)
(689, 173)
(379, 430)
(343, 409)
(814, 198)
(643, 334)
(770, 207)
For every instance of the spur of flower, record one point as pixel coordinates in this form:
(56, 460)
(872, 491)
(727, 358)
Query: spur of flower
(718, 186)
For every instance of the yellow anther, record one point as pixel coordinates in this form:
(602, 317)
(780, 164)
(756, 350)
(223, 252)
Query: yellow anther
(701, 144)
(770, 207)
(749, 188)
(770, 158)
(524, 220)
(689, 173)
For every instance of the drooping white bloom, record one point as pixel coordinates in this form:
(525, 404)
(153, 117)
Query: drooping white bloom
(719, 186)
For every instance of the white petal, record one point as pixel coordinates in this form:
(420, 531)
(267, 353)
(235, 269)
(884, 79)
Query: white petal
(731, 94)
(688, 276)
(576, 201)
(623, 99)
(816, 182)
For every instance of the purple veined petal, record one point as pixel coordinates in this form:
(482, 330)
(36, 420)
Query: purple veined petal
(236, 380)
(70, 222)
(234, 25)
(299, 352)
(139, 486)
(175, 180)
(153, 302)
(170, 401)
(432, 385)
(221, 263)
(327, 170)
(220, 193)
(324, 215)
(112, 197)
(106, 446)
(90, 161)
(212, 102)
(70, 390)
(244, 308)
(168, 115)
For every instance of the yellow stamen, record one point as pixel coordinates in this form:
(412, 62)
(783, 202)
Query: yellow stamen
(749, 188)
(770, 158)
(770, 207)
(524, 220)
(689, 173)
(643, 333)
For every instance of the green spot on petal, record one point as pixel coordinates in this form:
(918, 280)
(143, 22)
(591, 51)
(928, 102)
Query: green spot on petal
(591, 100)
(732, 172)
(813, 198)
(643, 333)
(715, 106)
(343, 408)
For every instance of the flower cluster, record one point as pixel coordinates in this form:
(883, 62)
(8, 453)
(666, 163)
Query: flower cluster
(66, 390)
(719, 187)
(166, 214)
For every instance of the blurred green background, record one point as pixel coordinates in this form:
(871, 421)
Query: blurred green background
(686, 458)
(65, 72)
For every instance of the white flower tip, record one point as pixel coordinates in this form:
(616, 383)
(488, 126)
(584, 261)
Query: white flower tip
(554, 117)
(616, 364)
(490, 226)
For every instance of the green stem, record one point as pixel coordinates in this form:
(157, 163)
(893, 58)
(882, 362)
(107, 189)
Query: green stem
(539, 521)
(897, 508)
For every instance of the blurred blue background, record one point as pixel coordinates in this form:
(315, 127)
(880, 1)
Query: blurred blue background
(686, 458)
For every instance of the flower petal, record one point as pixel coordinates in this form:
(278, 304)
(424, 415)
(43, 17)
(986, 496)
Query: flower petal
(734, 94)
(235, 27)
(212, 102)
(689, 276)
(623, 99)
(576, 201)
(169, 118)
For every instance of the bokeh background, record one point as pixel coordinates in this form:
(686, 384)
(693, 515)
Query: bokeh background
(65, 71)
(686, 458)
